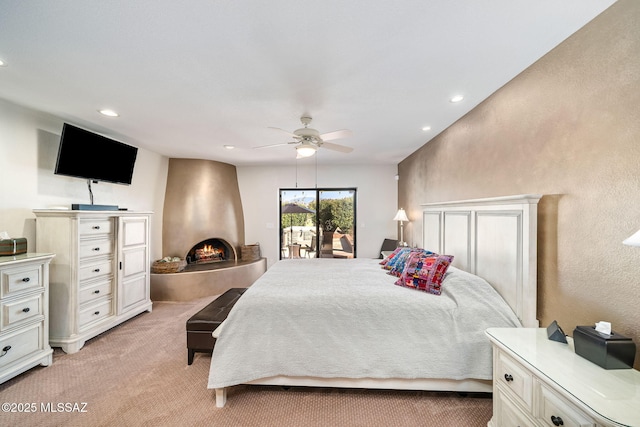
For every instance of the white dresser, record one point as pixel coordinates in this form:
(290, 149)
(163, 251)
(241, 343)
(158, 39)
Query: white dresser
(539, 382)
(24, 305)
(100, 276)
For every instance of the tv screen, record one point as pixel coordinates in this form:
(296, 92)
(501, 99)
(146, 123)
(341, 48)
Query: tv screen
(84, 154)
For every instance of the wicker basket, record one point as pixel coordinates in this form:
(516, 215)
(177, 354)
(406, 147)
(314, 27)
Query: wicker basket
(161, 267)
(250, 252)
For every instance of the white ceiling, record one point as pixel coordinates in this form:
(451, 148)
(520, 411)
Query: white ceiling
(188, 77)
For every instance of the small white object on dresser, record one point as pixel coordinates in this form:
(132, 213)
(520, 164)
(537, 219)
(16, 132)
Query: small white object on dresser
(540, 382)
(24, 321)
(100, 276)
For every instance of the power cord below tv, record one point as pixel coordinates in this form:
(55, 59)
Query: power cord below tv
(92, 207)
(90, 190)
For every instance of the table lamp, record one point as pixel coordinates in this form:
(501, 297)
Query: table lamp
(401, 216)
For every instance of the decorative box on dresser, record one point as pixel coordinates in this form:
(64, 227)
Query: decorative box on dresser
(24, 321)
(100, 276)
(540, 382)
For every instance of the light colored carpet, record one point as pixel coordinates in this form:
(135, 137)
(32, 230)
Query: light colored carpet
(137, 375)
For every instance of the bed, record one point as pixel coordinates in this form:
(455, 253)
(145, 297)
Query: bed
(346, 323)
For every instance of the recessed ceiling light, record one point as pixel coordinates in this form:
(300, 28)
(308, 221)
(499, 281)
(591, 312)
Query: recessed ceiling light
(108, 113)
(2, 63)
(457, 98)
(229, 147)
(426, 128)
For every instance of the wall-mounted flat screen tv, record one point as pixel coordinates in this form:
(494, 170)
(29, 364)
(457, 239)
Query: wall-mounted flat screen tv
(84, 154)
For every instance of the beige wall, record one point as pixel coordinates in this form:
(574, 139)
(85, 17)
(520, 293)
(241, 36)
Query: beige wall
(568, 128)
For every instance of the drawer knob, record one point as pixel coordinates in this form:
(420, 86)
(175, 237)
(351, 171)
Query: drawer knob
(96, 227)
(96, 249)
(26, 279)
(5, 350)
(508, 377)
(557, 421)
(96, 313)
(97, 270)
(26, 309)
(97, 291)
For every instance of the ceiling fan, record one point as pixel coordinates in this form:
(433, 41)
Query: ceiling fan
(308, 140)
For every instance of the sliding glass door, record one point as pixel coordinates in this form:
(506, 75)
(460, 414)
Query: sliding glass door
(318, 223)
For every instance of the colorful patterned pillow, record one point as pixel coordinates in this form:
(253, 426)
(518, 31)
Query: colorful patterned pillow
(397, 264)
(391, 256)
(425, 272)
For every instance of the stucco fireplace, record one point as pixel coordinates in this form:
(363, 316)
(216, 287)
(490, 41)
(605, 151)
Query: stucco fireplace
(203, 223)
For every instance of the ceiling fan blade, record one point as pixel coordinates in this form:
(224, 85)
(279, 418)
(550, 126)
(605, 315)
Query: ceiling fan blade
(276, 145)
(336, 147)
(344, 133)
(293, 135)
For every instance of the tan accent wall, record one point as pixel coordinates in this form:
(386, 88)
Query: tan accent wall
(202, 201)
(568, 127)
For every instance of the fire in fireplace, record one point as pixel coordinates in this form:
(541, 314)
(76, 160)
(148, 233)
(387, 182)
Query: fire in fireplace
(210, 250)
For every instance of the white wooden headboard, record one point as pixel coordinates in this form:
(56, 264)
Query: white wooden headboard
(494, 238)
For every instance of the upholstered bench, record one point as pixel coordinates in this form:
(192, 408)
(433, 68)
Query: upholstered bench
(202, 324)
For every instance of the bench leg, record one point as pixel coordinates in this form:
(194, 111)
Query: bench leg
(221, 397)
(190, 356)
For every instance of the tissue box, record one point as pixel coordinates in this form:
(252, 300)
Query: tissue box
(15, 246)
(608, 351)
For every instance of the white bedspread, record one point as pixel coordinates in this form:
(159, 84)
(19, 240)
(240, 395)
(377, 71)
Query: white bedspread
(336, 318)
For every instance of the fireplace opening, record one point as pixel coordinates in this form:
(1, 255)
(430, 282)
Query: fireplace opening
(210, 251)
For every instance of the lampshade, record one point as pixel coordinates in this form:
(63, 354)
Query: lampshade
(306, 150)
(633, 240)
(401, 215)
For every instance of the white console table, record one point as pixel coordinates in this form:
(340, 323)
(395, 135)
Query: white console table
(539, 382)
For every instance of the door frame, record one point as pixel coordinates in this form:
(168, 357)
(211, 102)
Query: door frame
(317, 192)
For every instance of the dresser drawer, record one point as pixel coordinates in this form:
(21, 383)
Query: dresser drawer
(17, 311)
(94, 227)
(95, 270)
(95, 313)
(95, 291)
(20, 279)
(21, 343)
(515, 378)
(552, 407)
(97, 247)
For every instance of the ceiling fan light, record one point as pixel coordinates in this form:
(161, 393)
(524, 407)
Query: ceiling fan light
(306, 150)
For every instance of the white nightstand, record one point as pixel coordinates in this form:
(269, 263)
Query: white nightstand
(24, 313)
(539, 382)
